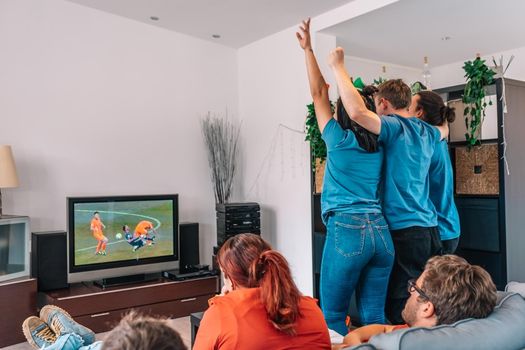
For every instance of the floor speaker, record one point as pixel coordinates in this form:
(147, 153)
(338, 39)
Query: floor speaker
(189, 246)
(49, 259)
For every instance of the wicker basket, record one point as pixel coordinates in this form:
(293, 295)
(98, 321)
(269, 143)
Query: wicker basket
(477, 170)
(319, 175)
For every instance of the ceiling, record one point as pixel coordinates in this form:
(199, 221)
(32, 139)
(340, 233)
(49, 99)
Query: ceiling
(406, 31)
(238, 22)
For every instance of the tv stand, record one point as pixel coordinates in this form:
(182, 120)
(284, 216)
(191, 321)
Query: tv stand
(124, 280)
(101, 309)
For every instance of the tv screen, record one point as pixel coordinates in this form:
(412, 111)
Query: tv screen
(108, 232)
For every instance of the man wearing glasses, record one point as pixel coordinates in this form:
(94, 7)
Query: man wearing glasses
(448, 290)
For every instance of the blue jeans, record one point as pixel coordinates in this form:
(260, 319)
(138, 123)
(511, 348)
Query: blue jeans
(72, 341)
(358, 256)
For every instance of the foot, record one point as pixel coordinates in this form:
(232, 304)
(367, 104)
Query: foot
(61, 322)
(38, 333)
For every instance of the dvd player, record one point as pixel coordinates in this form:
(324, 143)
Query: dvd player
(175, 275)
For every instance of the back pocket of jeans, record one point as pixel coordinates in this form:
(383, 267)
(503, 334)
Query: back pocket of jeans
(384, 233)
(349, 239)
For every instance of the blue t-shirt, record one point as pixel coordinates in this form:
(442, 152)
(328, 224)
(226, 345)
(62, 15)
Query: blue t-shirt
(408, 145)
(352, 175)
(441, 182)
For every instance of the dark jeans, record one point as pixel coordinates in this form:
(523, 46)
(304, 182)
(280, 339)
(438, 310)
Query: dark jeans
(450, 245)
(414, 246)
(358, 255)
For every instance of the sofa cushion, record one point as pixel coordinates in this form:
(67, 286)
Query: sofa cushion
(516, 287)
(503, 329)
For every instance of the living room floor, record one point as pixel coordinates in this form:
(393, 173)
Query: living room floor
(181, 325)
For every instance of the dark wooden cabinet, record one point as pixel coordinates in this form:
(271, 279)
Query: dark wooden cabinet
(318, 240)
(491, 210)
(100, 309)
(17, 302)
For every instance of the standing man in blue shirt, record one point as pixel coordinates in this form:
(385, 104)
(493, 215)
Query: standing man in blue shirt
(409, 145)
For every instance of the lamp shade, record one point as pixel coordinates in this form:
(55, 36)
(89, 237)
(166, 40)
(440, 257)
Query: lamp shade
(8, 176)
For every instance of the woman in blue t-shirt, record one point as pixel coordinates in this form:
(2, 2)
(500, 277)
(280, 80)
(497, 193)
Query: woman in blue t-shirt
(358, 253)
(429, 107)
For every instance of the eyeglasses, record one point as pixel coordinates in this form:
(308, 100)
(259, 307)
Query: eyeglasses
(412, 287)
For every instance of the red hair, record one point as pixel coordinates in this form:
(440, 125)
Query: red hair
(249, 262)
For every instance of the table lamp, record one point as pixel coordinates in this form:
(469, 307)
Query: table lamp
(8, 176)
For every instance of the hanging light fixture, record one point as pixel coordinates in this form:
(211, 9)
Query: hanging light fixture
(426, 74)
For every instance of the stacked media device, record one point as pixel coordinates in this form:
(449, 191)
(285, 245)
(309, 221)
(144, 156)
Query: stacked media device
(235, 218)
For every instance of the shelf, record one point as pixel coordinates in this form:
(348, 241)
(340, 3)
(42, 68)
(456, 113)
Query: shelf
(100, 309)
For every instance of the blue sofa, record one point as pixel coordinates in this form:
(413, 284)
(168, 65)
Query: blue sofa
(504, 329)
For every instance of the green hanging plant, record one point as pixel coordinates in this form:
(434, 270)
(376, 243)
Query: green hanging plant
(478, 75)
(417, 87)
(379, 81)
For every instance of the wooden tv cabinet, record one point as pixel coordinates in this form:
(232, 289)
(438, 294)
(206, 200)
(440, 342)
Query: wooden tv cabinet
(18, 301)
(101, 309)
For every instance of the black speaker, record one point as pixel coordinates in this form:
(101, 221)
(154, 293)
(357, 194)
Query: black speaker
(49, 259)
(189, 247)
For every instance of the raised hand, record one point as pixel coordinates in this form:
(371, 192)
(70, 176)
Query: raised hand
(336, 57)
(304, 35)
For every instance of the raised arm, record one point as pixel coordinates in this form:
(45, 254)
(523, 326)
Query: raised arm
(352, 100)
(318, 87)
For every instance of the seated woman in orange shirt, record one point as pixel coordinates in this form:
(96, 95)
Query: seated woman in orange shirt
(262, 307)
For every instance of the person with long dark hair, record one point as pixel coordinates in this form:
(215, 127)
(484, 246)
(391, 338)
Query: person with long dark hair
(358, 252)
(429, 106)
(261, 307)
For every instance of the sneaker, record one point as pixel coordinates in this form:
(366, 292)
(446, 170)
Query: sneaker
(38, 333)
(61, 322)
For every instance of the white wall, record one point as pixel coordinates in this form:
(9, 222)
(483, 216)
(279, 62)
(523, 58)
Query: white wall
(96, 104)
(273, 89)
(453, 73)
(368, 70)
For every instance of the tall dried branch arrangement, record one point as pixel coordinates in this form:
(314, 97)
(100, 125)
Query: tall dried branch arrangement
(221, 137)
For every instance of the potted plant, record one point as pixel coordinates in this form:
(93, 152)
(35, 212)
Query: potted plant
(478, 75)
(221, 137)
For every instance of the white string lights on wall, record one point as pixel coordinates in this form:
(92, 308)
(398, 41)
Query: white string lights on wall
(278, 140)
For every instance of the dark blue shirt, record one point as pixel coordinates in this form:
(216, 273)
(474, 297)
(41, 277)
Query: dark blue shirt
(352, 175)
(409, 144)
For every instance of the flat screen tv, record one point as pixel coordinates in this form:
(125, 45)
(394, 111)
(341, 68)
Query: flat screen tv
(121, 235)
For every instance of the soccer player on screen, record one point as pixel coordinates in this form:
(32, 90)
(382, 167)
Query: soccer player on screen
(96, 229)
(135, 242)
(143, 230)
